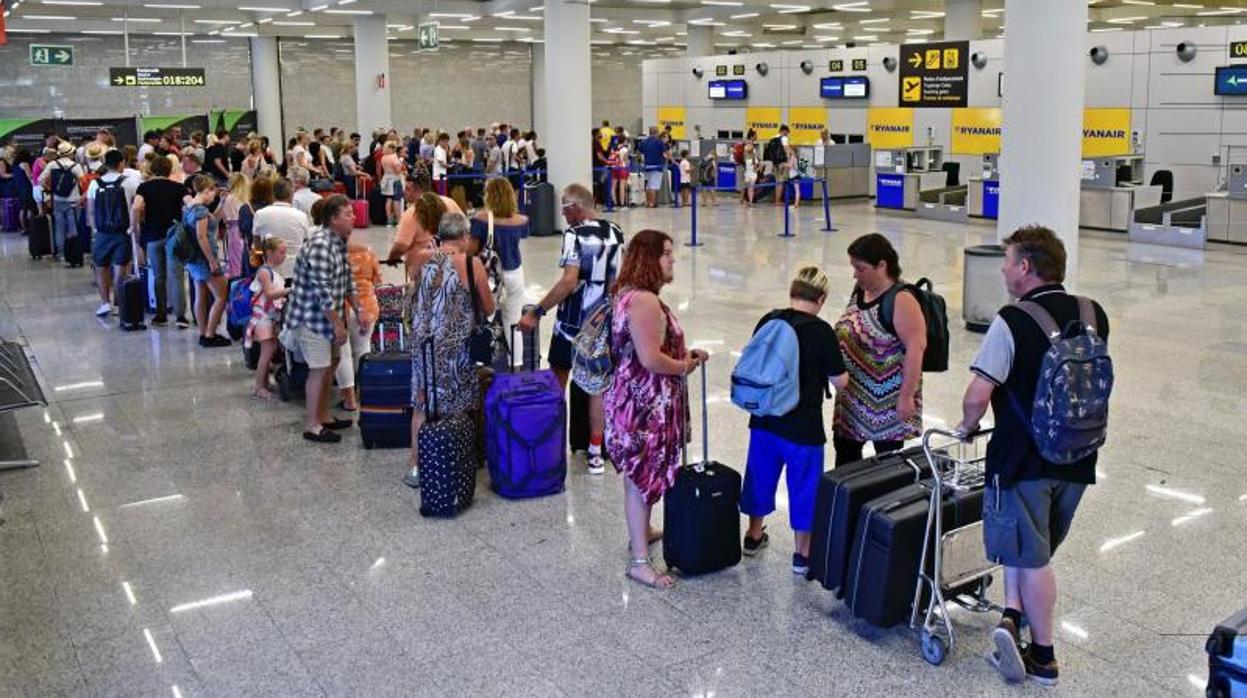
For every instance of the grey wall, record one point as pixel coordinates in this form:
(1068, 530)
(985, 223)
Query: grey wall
(83, 91)
(1180, 123)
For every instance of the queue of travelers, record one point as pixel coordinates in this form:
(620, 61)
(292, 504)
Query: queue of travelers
(314, 292)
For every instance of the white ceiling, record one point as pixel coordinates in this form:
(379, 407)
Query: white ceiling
(738, 24)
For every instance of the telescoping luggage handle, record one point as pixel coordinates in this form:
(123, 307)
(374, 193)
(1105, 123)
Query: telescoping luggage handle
(536, 355)
(705, 428)
(429, 359)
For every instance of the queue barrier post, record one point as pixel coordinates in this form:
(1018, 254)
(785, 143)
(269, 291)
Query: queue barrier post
(827, 224)
(787, 231)
(693, 242)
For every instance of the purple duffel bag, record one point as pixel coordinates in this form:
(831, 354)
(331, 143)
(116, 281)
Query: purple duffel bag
(525, 434)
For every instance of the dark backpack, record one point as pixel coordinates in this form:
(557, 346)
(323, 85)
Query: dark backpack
(63, 181)
(934, 312)
(112, 214)
(1069, 417)
(775, 150)
(706, 172)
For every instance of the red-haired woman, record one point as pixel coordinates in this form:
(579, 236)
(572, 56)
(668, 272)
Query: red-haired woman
(647, 403)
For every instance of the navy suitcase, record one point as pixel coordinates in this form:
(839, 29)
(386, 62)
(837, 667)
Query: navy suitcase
(384, 382)
(541, 209)
(883, 566)
(447, 453)
(701, 512)
(1227, 658)
(132, 303)
(841, 494)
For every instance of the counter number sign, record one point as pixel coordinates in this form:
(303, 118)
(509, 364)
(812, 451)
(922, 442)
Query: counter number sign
(51, 55)
(720, 71)
(934, 75)
(836, 66)
(859, 64)
(1238, 49)
(738, 70)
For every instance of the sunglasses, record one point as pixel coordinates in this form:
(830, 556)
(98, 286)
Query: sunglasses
(568, 204)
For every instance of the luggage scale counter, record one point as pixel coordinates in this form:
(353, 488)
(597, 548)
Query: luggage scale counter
(983, 189)
(900, 174)
(1108, 201)
(1226, 217)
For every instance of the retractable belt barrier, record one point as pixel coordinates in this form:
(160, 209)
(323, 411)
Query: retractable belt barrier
(828, 226)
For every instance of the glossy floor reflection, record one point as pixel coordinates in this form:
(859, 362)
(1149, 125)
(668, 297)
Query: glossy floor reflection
(183, 540)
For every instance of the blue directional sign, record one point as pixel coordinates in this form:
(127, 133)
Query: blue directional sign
(1231, 80)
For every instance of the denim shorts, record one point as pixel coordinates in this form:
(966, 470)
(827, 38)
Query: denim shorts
(1023, 525)
(653, 180)
(110, 249)
(200, 271)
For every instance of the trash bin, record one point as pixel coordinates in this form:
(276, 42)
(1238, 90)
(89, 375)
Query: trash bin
(983, 292)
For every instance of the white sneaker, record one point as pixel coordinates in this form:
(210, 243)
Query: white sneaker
(596, 464)
(104, 309)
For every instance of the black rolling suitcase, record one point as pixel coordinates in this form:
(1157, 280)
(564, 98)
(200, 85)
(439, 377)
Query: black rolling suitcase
(541, 209)
(841, 494)
(376, 207)
(701, 512)
(39, 236)
(1227, 658)
(447, 453)
(132, 303)
(883, 565)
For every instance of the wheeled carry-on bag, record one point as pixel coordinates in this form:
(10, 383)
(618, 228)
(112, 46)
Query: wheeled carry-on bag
(542, 209)
(887, 549)
(1227, 658)
(10, 215)
(447, 452)
(39, 236)
(132, 304)
(384, 380)
(525, 431)
(701, 511)
(841, 494)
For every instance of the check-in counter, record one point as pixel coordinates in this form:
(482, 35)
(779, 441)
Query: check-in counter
(1112, 208)
(1226, 219)
(846, 167)
(983, 197)
(901, 174)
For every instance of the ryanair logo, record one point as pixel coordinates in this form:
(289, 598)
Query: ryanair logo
(762, 125)
(978, 130)
(890, 128)
(1103, 133)
(807, 127)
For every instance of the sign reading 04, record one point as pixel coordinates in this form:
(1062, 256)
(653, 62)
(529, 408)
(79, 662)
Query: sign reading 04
(835, 66)
(934, 75)
(156, 77)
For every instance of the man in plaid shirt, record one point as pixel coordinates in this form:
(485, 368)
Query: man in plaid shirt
(314, 319)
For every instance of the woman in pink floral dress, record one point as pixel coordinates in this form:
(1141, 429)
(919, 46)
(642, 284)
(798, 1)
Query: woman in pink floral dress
(647, 403)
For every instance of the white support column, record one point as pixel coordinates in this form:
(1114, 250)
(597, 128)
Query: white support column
(568, 109)
(700, 40)
(1041, 140)
(266, 90)
(540, 123)
(372, 74)
(963, 20)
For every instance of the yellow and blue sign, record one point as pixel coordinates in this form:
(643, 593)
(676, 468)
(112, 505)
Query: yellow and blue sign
(764, 120)
(806, 124)
(976, 130)
(673, 117)
(890, 127)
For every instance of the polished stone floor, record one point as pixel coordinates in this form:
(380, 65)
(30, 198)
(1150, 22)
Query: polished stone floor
(182, 540)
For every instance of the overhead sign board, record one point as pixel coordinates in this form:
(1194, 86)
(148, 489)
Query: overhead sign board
(427, 36)
(673, 117)
(51, 54)
(1231, 80)
(935, 75)
(806, 124)
(156, 77)
(1238, 49)
(738, 70)
(720, 70)
(764, 120)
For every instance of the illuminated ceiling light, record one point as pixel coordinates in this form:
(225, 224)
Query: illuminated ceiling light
(723, 3)
(512, 29)
(828, 25)
(877, 20)
(454, 27)
(826, 38)
(213, 601)
(487, 40)
(925, 14)
(1107, 29)
(51, 18)
(321, 36)
(348, 12)
(102, 32)
(265, 9)
(1188, 6)
(1125, 20)
(218, 21)
(780, 27)
(919, 32)
(652, 22)
(852, 7)
(167, 6)
(73, 3)
(450, 15)
(747, 15)
(296, 13)
(294, 24)
(865, 37)
(1137, 2)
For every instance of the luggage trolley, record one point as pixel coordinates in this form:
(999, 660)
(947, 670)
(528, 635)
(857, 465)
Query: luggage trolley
(956, 556)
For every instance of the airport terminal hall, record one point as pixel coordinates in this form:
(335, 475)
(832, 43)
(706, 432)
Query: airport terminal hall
(634, 348)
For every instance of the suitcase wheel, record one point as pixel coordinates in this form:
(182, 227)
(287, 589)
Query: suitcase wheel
(934, 649)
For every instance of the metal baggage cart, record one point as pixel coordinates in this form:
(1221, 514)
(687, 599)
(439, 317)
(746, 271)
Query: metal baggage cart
(957, 559)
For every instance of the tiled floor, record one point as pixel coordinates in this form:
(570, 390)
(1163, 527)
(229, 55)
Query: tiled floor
(164, 487)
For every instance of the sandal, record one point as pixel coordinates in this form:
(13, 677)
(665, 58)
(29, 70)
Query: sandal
(657, 581)
(263, 394)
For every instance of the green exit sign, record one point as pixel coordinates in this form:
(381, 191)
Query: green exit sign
(50, 54)
(427, 36)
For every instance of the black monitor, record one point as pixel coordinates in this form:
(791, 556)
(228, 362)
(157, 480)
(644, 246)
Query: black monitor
(847, 87)
(728, 89)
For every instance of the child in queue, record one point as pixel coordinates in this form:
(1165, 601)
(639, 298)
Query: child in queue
(268, 295)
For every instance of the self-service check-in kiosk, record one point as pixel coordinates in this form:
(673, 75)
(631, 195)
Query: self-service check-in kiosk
(983, 192)
(1112, 190)
(1227, 209)
(902, 173)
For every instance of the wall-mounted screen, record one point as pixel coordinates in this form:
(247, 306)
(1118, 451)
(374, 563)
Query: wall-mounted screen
(728, 89)
(1231, 80)
(851, 87)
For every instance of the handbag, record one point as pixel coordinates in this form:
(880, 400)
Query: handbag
(486, 342)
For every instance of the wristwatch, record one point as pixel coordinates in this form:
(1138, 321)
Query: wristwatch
(538, 311)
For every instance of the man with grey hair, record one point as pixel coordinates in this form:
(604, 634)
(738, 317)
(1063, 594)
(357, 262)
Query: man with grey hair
(590, 261)
(282, 220)
(304, 198)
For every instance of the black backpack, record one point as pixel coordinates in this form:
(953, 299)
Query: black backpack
(934, 311)
(775, 150)
(63, 180)
(112, 214)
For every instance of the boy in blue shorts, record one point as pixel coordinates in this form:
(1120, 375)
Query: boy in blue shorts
(795, 439)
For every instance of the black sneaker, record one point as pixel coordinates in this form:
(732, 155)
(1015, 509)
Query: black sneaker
(181, 322)
(160, 321)
(1007, 659)
(800, 564)
(324, 436)
(752, 546)
(1042, 674)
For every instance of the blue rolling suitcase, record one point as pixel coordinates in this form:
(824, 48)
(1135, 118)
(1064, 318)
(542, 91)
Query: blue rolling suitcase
(1227, 658)
(384, 381)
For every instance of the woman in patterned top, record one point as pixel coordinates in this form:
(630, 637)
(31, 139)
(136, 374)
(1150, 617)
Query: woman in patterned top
(646, 404)
(882, 336)
(442, 309)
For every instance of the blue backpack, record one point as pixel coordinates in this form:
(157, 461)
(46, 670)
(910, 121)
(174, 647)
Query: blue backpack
(1069, 417)
(240, 300)
(766, 381)
(112, 214)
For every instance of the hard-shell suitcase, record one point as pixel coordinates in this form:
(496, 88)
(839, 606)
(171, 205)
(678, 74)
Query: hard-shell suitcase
(1227, 658)
(132, 304)
(384, 380)
(446, 447)
(525, 419)
(887, 547)
(376, 207)
(636, 189)
(360, 207)
(841, 494)
(39, 236)
(541, 209)
(10, 215)
(701, 512)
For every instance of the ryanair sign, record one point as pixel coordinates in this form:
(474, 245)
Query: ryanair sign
(890, 127)
(673, 117)
(976, 131)
(764, 120)
(805, 124)
(1105, 132)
